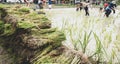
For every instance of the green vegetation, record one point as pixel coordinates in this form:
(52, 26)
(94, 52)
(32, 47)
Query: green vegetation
(24, 10)
(1, 27)
(8, 30)
(96, 36)
(25, 24)
(23, 34)
(30, 38)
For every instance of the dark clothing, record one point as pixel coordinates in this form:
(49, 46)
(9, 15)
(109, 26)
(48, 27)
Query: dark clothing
(49, 2)
(35, 1)
(81, 5)
(86, 10)
(25, 1)
(113, 10)
(107, 11)
(101, 8)
(79, 8)
(112, 6)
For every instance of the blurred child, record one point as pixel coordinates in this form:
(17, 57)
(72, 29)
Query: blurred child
(86, 10)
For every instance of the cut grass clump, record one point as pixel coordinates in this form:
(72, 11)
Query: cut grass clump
(8, 30)
(43, 31)
(3, 6)
(44, 25)
(1, 27)
(25, 25)
(55, 36)
(31, 35)
(24, 10)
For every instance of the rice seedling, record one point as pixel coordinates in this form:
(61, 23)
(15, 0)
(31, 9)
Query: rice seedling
(85, 41)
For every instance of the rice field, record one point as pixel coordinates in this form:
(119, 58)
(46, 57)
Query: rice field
(96, 36)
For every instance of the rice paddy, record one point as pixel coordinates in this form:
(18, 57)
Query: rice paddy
(96, 36)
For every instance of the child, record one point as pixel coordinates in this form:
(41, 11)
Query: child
(86, 10)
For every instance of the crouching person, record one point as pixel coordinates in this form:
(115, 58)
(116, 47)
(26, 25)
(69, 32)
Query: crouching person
(107, 11)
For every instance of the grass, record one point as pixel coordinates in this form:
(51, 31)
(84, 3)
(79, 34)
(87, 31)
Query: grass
(25, 24)
(36, 31)
(96, 35)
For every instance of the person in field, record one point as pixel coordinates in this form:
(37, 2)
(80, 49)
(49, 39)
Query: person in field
(107, 11)
(86, 10)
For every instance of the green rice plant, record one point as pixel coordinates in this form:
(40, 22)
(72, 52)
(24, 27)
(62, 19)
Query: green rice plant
(85, 42)
(113, 54)
(99, 49)
(71, 35)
